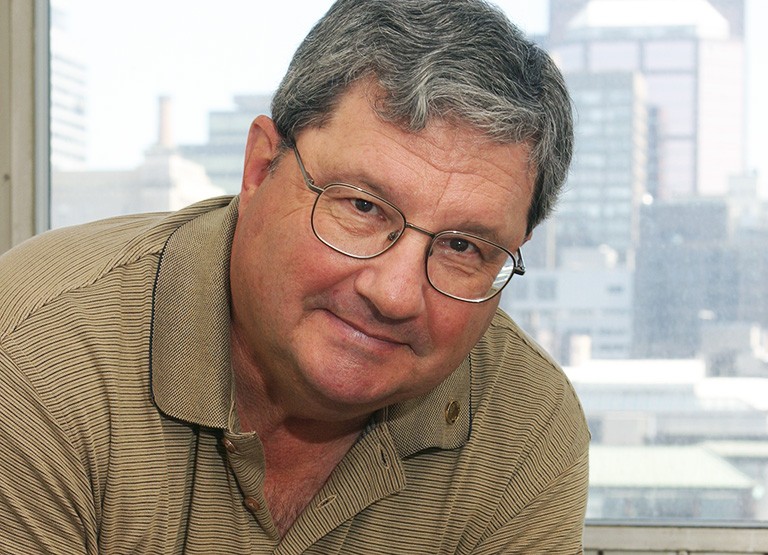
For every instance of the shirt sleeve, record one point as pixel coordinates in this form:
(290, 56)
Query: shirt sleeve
(552, 523)
(46, 502)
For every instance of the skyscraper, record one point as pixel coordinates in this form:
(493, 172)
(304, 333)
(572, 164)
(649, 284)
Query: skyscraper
(658, 89)
(68, 98)
(610, 168)
(691, 55)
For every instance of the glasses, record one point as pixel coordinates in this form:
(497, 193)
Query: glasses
(362, 225)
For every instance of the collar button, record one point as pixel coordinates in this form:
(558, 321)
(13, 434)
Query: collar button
(452, 411)
(229, 446)
(252, 504)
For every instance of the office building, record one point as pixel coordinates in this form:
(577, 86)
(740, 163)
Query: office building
(223, 155)
(67, 96)
(691, 56)
(601, 202)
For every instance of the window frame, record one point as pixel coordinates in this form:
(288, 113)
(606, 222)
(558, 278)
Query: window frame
(24, 153)
(614, 538)
(24, 212)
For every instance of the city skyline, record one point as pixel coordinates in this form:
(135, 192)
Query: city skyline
(123, 89)
(147, 54)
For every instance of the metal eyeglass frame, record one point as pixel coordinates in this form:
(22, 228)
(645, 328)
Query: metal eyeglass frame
(519, 263)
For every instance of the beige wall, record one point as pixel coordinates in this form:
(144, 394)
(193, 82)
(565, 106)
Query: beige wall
(17, 122)
(675, 540)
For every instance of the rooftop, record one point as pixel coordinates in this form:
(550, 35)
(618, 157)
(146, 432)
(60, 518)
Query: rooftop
(646, 376)
(674, 467)
(698, 14)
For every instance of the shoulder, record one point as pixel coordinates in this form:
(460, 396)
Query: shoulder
(522, 400)
(49, 265)
(75, 324)
(519, 477)
(512, 365)
(505, 344)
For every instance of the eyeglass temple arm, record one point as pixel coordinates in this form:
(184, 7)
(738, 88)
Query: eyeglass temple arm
(519, 268)
(310, 183)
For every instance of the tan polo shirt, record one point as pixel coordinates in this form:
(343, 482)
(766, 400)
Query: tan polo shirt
(117, 433)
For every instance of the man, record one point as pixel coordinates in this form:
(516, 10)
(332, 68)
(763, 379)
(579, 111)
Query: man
(318, 364)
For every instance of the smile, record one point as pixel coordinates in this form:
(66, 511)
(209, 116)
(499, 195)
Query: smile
(377, 336)
(363, 337)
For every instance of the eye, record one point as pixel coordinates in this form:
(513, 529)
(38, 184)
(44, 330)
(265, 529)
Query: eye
(458, 248)
(462, 245)
(363, 205)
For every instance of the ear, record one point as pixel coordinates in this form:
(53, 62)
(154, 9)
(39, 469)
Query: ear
(262, 147)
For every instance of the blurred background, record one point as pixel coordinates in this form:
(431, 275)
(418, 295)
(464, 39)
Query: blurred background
(649, 285)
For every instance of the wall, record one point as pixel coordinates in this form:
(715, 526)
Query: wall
(17, 121)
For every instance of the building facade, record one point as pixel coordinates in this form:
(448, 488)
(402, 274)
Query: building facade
(691, 55)
(224, 153)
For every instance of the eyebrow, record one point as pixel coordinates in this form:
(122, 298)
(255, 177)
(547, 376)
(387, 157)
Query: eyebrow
(472, 227)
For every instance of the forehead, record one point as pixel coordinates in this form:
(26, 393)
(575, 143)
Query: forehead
(448, 173)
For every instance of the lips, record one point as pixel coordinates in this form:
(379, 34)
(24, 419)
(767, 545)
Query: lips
(356, 318)
(395, 336)
(380, 336)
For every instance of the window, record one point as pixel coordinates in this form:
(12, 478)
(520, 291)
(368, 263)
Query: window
(672, 354)
(670, 55)
(151, 101)
(614, 56)
(546, 289)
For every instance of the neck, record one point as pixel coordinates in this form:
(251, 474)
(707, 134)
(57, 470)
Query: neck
(265, 406)
(301, 445)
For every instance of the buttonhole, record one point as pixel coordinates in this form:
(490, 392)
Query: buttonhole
(325, 502)
(384, 459)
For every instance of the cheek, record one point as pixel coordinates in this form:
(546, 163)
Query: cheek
(274, 234)
(456, 331)
(280, 256)
(298, 267)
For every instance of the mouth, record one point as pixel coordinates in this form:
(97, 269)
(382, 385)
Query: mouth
(365, 334)
(362, 338)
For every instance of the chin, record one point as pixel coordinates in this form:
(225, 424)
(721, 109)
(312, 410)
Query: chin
(355, 385)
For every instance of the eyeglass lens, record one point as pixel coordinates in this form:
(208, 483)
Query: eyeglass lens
(362, 225)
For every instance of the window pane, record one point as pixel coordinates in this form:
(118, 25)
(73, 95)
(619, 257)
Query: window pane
(151, 101)
(648, 284)
(656, 247)
(665, 55)
(614, 56)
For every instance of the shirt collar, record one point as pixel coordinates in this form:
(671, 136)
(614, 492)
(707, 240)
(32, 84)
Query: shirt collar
(440, 419)
(189, 346)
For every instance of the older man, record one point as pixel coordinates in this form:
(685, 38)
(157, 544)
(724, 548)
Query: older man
(317, 365)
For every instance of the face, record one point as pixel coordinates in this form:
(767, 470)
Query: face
(335, 337)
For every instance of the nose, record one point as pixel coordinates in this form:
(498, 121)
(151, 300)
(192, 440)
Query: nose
(395, 282)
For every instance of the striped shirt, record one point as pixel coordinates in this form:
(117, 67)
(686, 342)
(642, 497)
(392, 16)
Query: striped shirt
(118, 433)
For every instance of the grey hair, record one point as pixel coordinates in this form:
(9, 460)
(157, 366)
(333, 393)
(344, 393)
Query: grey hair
(456, 60)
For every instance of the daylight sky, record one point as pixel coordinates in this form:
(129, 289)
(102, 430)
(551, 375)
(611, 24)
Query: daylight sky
(202, 53)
